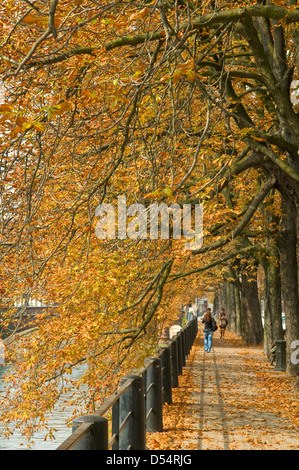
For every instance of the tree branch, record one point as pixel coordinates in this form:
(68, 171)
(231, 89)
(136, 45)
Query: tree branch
(156, 303)
(243, 251)
(282, 164)
(210, 20)
(260, 196)
(50, 30)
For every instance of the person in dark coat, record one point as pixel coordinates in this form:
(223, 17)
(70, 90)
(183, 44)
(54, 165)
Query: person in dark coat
(208, 330)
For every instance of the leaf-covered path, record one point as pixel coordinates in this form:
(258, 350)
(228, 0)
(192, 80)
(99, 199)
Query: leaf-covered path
(230, 399)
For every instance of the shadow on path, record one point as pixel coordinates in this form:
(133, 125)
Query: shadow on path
(216, 411)
(230, 407)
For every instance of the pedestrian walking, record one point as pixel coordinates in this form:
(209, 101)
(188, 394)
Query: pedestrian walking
(223, 321)
(208, 330)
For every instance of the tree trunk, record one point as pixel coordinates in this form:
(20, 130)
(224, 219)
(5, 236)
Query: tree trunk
(239, 316)
(232, 314)
(223, 296)
(216, 303)
(289, 278)
(252, 321)
(268, 330)
(272, 297)
(226, 299)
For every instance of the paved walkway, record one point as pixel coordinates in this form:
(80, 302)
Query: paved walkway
(230, 399)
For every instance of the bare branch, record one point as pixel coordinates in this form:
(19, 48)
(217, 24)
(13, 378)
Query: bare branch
(260, 196)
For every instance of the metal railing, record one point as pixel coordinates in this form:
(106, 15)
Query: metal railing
(137, 406)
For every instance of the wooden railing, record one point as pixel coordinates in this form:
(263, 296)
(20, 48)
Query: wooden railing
(137, 406)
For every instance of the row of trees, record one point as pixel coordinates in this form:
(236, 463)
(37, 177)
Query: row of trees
(160, 101)
(249, 303)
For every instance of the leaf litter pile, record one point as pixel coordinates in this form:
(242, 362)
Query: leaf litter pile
(230, 399)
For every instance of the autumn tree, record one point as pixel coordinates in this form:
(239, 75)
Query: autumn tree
(165, 101)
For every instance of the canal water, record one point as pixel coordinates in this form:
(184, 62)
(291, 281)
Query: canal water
(57, 420)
